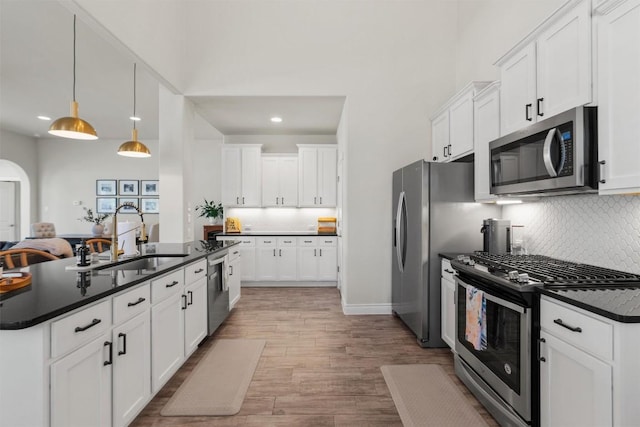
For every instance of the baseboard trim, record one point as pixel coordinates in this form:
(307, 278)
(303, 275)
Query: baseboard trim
(358, 309)
(292, 284)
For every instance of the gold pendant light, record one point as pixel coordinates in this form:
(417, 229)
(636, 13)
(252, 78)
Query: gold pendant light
(73, 127)
(134, 148)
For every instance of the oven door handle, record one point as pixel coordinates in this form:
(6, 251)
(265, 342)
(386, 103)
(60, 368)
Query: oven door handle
(494, 298)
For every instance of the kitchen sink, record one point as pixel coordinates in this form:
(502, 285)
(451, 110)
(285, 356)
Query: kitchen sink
(147, 263)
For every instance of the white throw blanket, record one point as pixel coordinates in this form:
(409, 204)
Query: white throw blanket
(55, 246)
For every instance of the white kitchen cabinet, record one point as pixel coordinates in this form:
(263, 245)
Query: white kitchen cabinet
(279, 181)
(452, 126)
(317, 175)
(317, 258)
(486, 128)
(448, 304)
(247, 248)
(167, 339)
(276, 258)
(241, 175)
(549, 71)
(235, 274)
(131, 367)
(81, 386)
(618, 96)
(194, 305)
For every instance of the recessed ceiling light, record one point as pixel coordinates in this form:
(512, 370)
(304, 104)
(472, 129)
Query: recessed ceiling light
(135, 119)
(276, 119)
(44, 118)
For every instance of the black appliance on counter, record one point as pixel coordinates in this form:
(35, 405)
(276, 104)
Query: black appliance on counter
(502, 371)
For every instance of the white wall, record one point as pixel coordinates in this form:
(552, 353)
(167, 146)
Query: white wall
(23, 151)
(207, 181)
(68, 171)
(487, 29)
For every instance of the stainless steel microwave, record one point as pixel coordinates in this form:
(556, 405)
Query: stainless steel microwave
(556, 156)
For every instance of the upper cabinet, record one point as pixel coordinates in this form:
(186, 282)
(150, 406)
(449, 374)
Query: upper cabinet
(452, 126)
(486, 128)
(241, 177)
(549, 71)
(317, 175)
(618, 96)
(280, 181)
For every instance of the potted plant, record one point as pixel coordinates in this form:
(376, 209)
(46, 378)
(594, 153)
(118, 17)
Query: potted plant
(211, 210)
(98, 227)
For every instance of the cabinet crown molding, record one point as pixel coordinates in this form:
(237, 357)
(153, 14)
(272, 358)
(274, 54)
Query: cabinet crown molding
(475, 86)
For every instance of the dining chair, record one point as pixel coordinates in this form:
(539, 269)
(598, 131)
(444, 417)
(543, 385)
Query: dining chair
(25, 257)
(43, 229)
(98, 245)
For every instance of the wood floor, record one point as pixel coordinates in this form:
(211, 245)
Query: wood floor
(318, 368)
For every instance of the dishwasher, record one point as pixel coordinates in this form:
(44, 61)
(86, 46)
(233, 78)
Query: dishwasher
(217, 291)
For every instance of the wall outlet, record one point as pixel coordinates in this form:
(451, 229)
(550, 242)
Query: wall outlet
(77, 202)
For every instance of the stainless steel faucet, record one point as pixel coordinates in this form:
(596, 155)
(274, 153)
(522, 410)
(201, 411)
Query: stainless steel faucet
(114, 232)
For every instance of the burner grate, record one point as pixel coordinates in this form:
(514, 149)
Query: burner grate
(550, 270)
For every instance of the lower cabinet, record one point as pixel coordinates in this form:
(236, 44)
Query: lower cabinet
(235, 274)
(167, 339)
(276, 258)
(194, 305)
(318, 258)
(81, 386)
(448, 304)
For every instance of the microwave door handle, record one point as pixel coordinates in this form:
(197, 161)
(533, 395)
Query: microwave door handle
(546, 151)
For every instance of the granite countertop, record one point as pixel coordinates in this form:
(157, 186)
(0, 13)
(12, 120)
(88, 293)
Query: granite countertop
(619, 304)
(278, 233)
(54, 290)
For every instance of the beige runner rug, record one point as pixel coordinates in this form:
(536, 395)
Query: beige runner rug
(425, 396)
(219, 382)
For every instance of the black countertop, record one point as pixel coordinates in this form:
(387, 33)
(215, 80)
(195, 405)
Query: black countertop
(277, 233)
(54, 290)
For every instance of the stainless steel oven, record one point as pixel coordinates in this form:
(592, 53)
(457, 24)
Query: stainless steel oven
(555, 156)
(498, 372)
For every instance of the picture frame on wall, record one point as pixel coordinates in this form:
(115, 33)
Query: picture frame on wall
(105, 204)
(129, 209)
(150, 187)
(128, 187)
(150, 205)
(106, 187)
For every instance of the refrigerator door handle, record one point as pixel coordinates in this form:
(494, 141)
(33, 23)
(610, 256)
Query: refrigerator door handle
(399, 240)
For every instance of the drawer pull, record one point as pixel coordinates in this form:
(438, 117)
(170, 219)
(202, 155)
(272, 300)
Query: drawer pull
(140, 300)
(93, 323)
(308, 241)
(172, 284)
(235, 253)
(110, 361)
(446, 270)
(200, 270)
(542, 359)
(571, 328)
(267, 241)
(124, 344)
(287, 241)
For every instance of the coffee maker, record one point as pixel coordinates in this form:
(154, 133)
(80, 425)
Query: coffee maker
(496, 236)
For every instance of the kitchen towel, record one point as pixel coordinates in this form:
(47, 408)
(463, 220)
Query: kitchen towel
(127, 237)
(476, 313)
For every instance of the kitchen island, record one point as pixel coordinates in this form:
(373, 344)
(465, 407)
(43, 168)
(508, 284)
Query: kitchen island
(92, 348)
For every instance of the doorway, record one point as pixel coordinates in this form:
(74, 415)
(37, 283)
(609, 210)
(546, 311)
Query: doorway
(8, 210)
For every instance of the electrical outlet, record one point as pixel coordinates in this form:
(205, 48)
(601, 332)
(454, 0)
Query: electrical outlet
(77, 202)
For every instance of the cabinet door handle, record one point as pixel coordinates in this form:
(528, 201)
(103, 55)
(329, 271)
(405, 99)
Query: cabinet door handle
(320, 252)
(110, 361)
(446, 270)
(320, 199)
(184, 301)
(93, 323)
(190, 298)
(124, 344)
(449, 150)
(539, 107)
(200, 270)
(243, 200)
(564, 325)
(237, 200)
(527, 112)
(444, 152)
(542, 359)
(315, 202)
(140, 300)
(231, 270)
(314, 252)
(279, 252)
(601, 164)
(274, 252)
(172, 284)
(282, 200)
(277, 200)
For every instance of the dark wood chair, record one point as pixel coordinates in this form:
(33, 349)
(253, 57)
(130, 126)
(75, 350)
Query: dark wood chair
(98, 245)
(24, 257)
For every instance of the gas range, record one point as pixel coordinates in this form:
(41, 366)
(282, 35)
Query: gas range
(525, 273)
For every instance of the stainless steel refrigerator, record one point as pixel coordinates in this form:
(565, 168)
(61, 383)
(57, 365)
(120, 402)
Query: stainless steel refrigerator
(433, 212)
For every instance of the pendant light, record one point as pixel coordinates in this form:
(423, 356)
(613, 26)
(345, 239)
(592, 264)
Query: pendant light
(73, 127)
(134, 148)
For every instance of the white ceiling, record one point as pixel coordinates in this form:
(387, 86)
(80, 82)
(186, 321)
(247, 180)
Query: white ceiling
(36, 64)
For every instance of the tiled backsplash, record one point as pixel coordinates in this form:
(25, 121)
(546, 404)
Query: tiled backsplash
(279, 219)
(598, 230)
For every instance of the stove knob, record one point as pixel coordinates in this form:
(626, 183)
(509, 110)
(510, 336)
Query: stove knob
(513, 275)
(523, 278)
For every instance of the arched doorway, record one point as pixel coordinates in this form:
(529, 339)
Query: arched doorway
(11, 172)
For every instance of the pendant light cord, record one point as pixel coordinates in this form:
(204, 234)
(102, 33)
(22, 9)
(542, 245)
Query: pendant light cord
(74, 57)
(134, 94)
